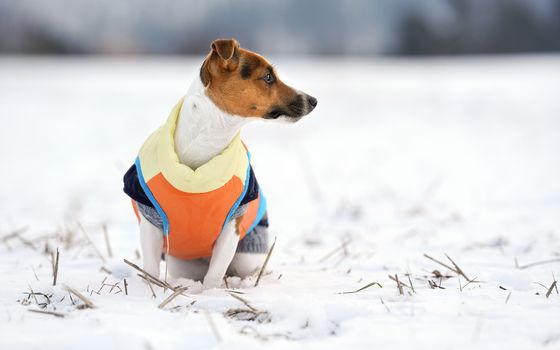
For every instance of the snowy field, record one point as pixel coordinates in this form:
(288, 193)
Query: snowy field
(400, 159)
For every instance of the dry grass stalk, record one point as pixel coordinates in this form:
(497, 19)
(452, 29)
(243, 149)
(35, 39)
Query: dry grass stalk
(364, 287)
(383, 303)
(341, 247)
(46, 312)
(80, 296)
(244, 330)
(34, 294)
(103, 284)
(175, 294)
(113, 287)
(458, 269)
(15, 233)
(550, 261)
(399, 281)
(254, 333)
(410, 281)
(26, 242)
(234, 291)
(439, 262)
(156, 282)
(507, 298)
(125, 287)
(91, 242)
(151, 288)
(434, 285)
(248, 315)
(469, 282)
(18, 234)
(438, 274)
(552, 286)
(107, 242)
(55, 267)
(265, 263)
(399, 285)
(212, 325)
(152, 278)
(455, 269)
(245, 302)
(34, 273)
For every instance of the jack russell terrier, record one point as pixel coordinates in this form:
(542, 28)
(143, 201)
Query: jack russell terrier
(192, 186)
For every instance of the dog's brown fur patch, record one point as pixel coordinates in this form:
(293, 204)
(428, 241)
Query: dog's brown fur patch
(234, 80)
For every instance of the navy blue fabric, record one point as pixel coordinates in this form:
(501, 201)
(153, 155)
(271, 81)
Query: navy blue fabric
(252, 189)
(133, 189)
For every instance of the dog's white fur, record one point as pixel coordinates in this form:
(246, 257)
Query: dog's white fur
(203, 131)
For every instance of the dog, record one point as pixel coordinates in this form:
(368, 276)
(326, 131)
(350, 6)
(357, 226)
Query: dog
(192, 186)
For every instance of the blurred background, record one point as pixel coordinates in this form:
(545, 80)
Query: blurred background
(309, 27)
(423, 90)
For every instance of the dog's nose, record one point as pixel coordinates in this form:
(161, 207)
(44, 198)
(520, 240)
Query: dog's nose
(312, 101)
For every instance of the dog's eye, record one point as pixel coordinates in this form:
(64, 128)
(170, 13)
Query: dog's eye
(269, 79)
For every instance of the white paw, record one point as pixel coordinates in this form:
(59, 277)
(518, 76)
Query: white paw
(211, 282)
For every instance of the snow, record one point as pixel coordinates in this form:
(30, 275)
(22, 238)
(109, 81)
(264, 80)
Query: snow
(401, 158)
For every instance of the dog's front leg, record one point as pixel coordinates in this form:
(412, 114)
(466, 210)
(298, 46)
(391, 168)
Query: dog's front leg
(222, 255)
(151, 242)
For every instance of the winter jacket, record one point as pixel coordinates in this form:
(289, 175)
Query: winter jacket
(195, 205)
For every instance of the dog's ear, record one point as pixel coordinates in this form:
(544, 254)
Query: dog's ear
(224, 57)
(227, 51)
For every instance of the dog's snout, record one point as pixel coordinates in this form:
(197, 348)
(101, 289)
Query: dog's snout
(312, 101)
(301, 105)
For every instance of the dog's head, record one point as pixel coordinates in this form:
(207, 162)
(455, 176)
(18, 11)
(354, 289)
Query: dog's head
(243, 83)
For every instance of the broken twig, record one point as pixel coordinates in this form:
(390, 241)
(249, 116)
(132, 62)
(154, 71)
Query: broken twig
(80, 296)
(550, 261)
(364, 287)
(552, 286)
(455, 269)
(46, 312)
(91, 242)
(245, 302)
(399, 284)
(175, 294)
(107, 242)
(152, 278)
(265, 262)
(399, 281)
(55, 266)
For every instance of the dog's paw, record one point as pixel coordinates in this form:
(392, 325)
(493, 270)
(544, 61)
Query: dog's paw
(211, 283)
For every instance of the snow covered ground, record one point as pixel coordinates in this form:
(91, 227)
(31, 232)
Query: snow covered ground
(401, 158)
